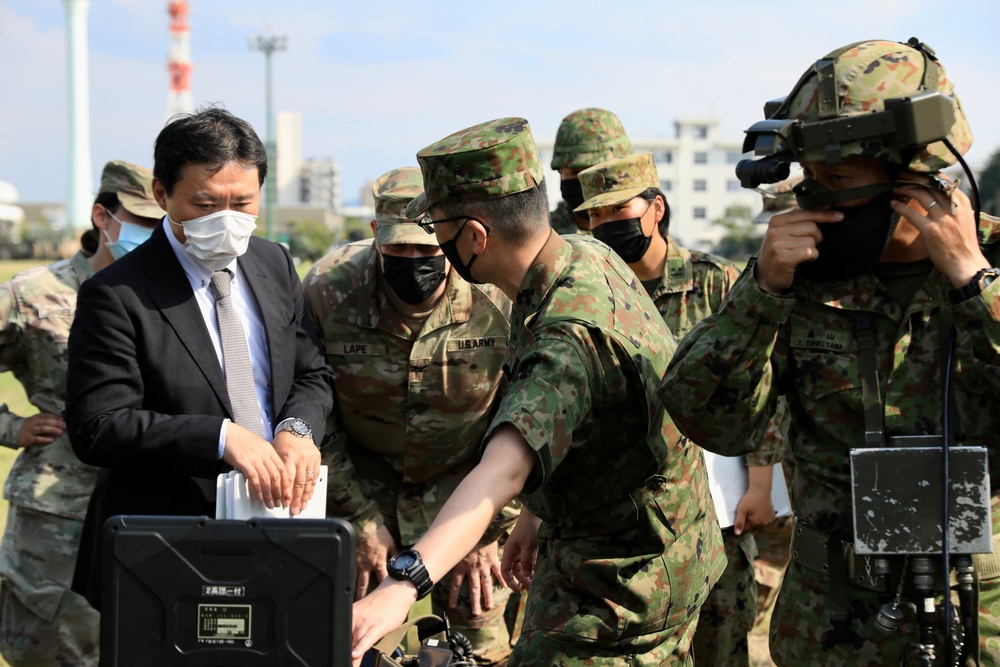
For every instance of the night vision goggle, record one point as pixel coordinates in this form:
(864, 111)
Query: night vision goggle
(908, 123)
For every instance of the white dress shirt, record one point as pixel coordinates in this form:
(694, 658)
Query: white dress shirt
(250, 317)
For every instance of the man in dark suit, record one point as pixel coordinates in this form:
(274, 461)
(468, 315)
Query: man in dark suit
(147, 396)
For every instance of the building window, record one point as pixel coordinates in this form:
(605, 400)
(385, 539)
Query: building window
(701, 131)
(732, 185)
(699, 213)
(732, 157)
(667, 157)
(665, 185)
(700, 185)
(701, 157)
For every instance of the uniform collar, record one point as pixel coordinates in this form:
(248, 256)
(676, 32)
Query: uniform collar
(549, 265)
(81, 267)
(678, 272)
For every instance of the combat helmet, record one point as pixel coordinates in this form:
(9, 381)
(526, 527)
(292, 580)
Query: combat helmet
(588, 136)
(862, 79)
(879, 99)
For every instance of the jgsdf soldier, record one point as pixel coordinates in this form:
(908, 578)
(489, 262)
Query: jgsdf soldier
(628, 212)
(42, 622)
(417, 353)
(627, 545)
(584, 138)
(849, 306)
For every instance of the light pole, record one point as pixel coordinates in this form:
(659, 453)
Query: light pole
(268, 44)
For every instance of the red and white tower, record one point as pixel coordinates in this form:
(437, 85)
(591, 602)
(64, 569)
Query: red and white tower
(179, 66)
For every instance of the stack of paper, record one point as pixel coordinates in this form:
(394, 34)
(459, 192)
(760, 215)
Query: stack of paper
(234, 501)
(728, 481)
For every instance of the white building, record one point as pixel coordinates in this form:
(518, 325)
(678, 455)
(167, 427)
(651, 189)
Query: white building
(697, 174)
(319, 184)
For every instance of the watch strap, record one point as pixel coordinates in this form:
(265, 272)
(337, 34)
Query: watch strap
(975, 286)
(415, 574)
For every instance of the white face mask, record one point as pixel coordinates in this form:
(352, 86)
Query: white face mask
(214, 240)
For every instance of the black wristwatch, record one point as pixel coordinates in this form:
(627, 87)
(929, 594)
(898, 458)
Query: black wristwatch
(975, 287)
(298, 427)
(409, 566)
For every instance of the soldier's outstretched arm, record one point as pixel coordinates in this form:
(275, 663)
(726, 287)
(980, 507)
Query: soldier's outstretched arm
(500, 475)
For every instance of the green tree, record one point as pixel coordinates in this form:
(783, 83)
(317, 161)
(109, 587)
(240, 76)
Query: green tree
(989, 184)
(309, 239)
(742, 237)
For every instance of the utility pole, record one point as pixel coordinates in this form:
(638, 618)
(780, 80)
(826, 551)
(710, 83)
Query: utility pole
(268, 44)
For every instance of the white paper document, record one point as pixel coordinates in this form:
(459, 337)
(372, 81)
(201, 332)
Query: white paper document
(234, 501)
(728, 481)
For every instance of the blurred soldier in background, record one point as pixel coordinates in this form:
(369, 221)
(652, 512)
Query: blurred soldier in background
(42, 622)
(417, 353)
(629, 212)
(584, 138)
(848, 312)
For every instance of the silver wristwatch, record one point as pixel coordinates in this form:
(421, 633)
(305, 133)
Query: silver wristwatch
(298, 427)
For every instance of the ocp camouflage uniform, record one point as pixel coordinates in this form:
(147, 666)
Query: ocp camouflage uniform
(727, 376)
(693, 286)
(42, 622)
(629, 545)
(413, 408)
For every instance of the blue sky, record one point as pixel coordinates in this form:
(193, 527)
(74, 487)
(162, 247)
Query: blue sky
(375, 82)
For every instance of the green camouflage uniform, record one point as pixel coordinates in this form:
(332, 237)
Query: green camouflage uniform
(693, 286)
(727, 375)
(413, 405)
(628, 545)
(731, 369)
(48, 488)
(584, 138)
(625, 560)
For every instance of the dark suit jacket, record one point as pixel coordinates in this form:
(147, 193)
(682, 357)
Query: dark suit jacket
(146, 396)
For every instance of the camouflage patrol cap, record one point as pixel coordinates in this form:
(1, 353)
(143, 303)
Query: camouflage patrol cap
(866, 75)
(485, 161)
(588, 136)
(133, 185)
(393, 191)
(618, 180)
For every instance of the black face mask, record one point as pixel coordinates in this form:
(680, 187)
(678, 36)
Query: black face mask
(854, 245)
(413, 279)
(450, 251)
(625, 237)
(572, 192)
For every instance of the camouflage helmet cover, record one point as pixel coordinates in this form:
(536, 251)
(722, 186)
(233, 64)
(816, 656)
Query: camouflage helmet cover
(485, 161)
(134, 186)
(588, 136)
(617, 181)
(393, 191)
(868, 73)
